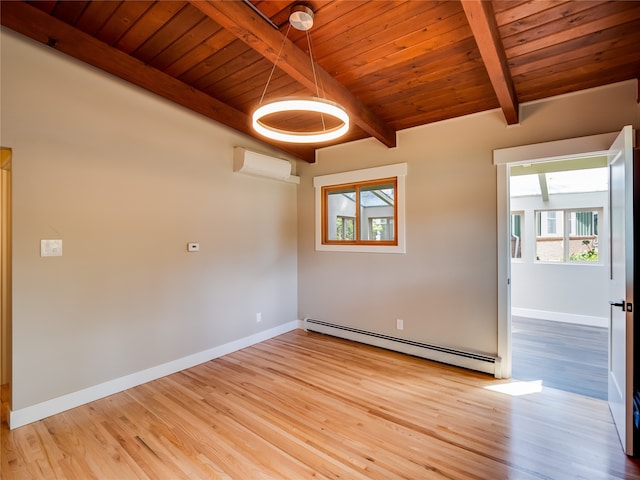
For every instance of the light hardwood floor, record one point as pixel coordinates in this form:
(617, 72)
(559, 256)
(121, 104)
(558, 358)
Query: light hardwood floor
(305, 405)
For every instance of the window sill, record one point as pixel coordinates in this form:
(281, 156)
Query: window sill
(361, 248)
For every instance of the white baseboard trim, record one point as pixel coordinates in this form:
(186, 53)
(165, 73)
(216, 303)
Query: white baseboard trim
(480, 362)
(561, 317)
(60, 404)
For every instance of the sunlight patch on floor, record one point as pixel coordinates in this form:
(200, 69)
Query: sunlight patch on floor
(516, 389)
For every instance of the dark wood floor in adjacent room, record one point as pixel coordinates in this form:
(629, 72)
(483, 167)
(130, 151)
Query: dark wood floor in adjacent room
(563, 355)
(304, 405)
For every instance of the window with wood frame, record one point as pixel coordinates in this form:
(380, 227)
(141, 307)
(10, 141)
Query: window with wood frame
(360, 213)
(361, 210)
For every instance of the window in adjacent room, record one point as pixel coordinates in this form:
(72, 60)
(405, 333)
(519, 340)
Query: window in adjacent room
(382, 228)
(517, 220)
(345, 228)
(567, 235)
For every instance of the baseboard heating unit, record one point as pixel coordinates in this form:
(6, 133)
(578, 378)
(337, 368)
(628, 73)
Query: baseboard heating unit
(460, 358)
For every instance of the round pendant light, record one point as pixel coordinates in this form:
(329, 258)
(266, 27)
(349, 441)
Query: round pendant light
(301, 18)
(302, 104)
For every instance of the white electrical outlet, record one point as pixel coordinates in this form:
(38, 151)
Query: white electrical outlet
(399, 324)
(193, 247)
(258, 317)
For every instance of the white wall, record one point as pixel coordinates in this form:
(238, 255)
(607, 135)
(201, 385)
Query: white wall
(126, 179)
(567, 291)
(445, 287)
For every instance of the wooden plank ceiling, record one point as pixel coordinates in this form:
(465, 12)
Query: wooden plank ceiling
(391, 64)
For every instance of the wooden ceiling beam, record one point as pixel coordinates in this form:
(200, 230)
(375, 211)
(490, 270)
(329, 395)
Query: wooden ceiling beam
(485, 31)
(38, 25)
(264, 39)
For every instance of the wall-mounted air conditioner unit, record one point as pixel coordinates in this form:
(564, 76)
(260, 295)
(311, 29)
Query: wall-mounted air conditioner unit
(253, 163)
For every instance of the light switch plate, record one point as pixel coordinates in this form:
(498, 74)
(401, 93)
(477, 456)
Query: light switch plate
(193, 247)
(50, 248)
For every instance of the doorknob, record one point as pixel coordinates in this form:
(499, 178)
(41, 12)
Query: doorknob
(620, 304)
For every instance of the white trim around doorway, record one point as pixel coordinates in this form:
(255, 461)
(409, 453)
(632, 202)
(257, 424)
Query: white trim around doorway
(504, 158)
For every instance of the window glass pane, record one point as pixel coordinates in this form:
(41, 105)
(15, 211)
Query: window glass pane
(377, 195)
(551, 223)
(583, 237)
(550, 249)
(516, 235)
(381, 228)
(377, 212)
(345, 228)
(341, 213)
(550, 236)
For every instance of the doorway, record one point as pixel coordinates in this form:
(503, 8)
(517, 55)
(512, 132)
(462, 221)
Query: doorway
(5, 278)
(504, 159)
(618, 148)
(559, 267)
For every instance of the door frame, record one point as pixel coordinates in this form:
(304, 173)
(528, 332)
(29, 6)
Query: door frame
(504, 158)
(5, 271)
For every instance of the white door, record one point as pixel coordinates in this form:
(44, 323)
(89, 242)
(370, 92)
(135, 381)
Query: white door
(621, 286)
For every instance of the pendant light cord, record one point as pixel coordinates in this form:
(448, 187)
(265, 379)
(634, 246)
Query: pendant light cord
(315, 79)
(276, 63)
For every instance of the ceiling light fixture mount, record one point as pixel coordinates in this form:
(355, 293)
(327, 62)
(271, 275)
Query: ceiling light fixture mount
(301, 18)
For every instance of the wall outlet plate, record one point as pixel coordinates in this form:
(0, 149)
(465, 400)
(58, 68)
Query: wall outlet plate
(193, 247)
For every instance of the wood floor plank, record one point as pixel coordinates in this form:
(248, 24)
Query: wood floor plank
(305, 405)
(565, 356)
